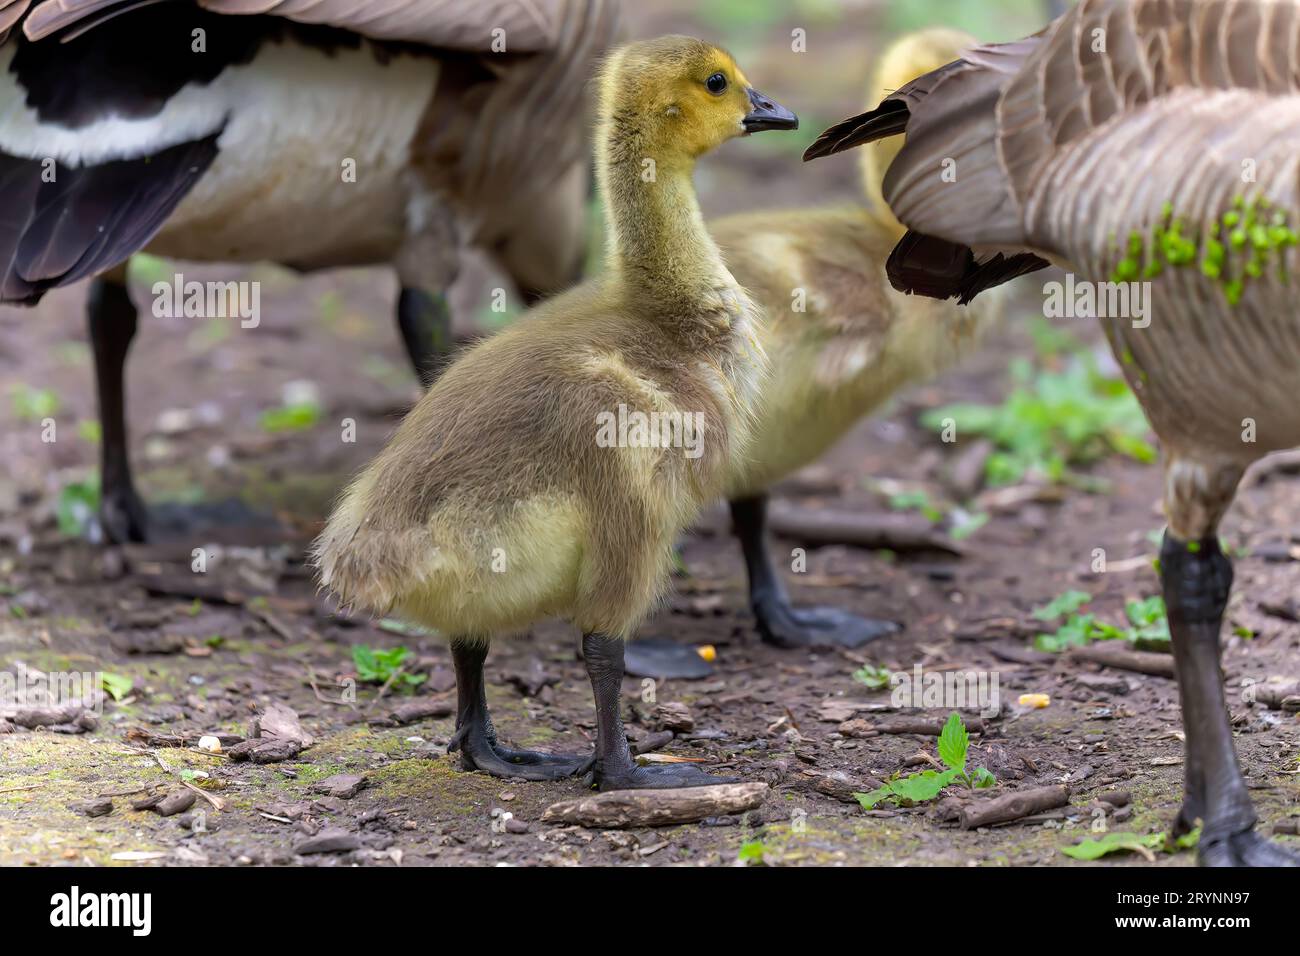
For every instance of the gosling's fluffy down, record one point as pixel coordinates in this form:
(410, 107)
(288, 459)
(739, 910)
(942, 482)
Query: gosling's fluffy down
(492, 505)
(854, 345)
(840, 340)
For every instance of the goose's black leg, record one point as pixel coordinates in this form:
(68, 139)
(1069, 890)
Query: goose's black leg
(779, 622)
(111, 321)
(425, 322)
(476, 738)
(1196, 580)
(615, 768)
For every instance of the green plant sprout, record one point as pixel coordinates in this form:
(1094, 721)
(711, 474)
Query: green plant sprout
(380, 667)
(1052, 422)
(1148, 624)
(954, 742)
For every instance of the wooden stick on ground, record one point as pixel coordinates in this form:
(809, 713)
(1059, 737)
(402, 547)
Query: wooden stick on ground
(925, 726)
(656, 808)
(897, 532)
(1118, 655)
(1013, 806)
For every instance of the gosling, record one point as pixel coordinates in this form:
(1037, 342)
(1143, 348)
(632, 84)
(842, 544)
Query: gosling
(840, 343)
(501, 500)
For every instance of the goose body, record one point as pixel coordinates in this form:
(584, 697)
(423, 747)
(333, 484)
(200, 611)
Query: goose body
(505, 497)
(315, 136)
(299, 113)
(1137, 141)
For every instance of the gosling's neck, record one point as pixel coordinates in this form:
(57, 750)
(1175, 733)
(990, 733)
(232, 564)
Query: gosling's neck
(658, 246)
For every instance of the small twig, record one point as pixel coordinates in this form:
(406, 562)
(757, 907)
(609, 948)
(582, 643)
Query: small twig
(274, 623)
(217, 803)
(30, 786)
(383, 691)
(127, 793)
(320, 695)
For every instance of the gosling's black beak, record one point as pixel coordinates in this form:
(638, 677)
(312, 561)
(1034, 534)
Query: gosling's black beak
(764, 114)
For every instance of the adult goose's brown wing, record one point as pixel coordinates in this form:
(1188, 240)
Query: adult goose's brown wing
(1068, 141)
(529, 26)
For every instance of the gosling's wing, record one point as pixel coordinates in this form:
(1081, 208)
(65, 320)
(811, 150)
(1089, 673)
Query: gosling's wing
(529, 26)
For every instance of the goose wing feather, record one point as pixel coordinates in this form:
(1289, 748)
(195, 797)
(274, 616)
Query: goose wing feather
(530, 26)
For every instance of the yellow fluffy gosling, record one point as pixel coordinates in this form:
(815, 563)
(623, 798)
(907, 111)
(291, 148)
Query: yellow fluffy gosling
(507, 496)
(840, 341)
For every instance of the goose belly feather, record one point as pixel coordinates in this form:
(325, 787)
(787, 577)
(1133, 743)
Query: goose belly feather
(1216, 366)
(294, 117)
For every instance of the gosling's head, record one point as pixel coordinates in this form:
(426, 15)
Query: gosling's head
(681, 97)
(916, 54)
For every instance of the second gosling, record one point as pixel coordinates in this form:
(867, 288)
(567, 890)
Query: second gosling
(494, 505)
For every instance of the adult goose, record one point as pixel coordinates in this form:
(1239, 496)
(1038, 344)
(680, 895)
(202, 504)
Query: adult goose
(1137, 141)
(313, 133)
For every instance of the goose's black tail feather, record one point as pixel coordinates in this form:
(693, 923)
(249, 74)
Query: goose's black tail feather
(59, 224)
(940, 269)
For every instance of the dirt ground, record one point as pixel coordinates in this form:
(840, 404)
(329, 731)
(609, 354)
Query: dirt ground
(206, 652)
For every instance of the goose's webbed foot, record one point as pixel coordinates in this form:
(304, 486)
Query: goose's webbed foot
(614, 768)
(783, 625)
(476, 738)
(1247, 848)
(479, 750)
(1197, 577)
(780, 623)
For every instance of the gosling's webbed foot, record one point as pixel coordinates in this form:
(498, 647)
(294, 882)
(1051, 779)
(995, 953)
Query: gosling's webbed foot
(169, 521)
(1247, 848)
(656, 777)
(479, 750)
(124, 517)
(783, 625)
(664, 660)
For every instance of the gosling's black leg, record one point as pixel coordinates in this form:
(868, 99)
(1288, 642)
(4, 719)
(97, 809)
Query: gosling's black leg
(476, 738)
(614, 768)
(425, 321)
(111, 322)
(1196, 580)
(779, 623)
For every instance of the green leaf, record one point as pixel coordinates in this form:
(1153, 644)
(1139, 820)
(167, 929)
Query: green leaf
(379, 666)
(954, 742)
(1053, 420)
(291, 418)
(33, 404)
(116, 685)
(877, 678)
(1091, 849)
(1063, 604)
(77, 506)
(916, 500)
(919, 787)
(751, 851)
(967, 525)
(914, 788)
(983, 779)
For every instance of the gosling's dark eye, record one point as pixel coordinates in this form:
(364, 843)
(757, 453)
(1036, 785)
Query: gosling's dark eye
(716, 84)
